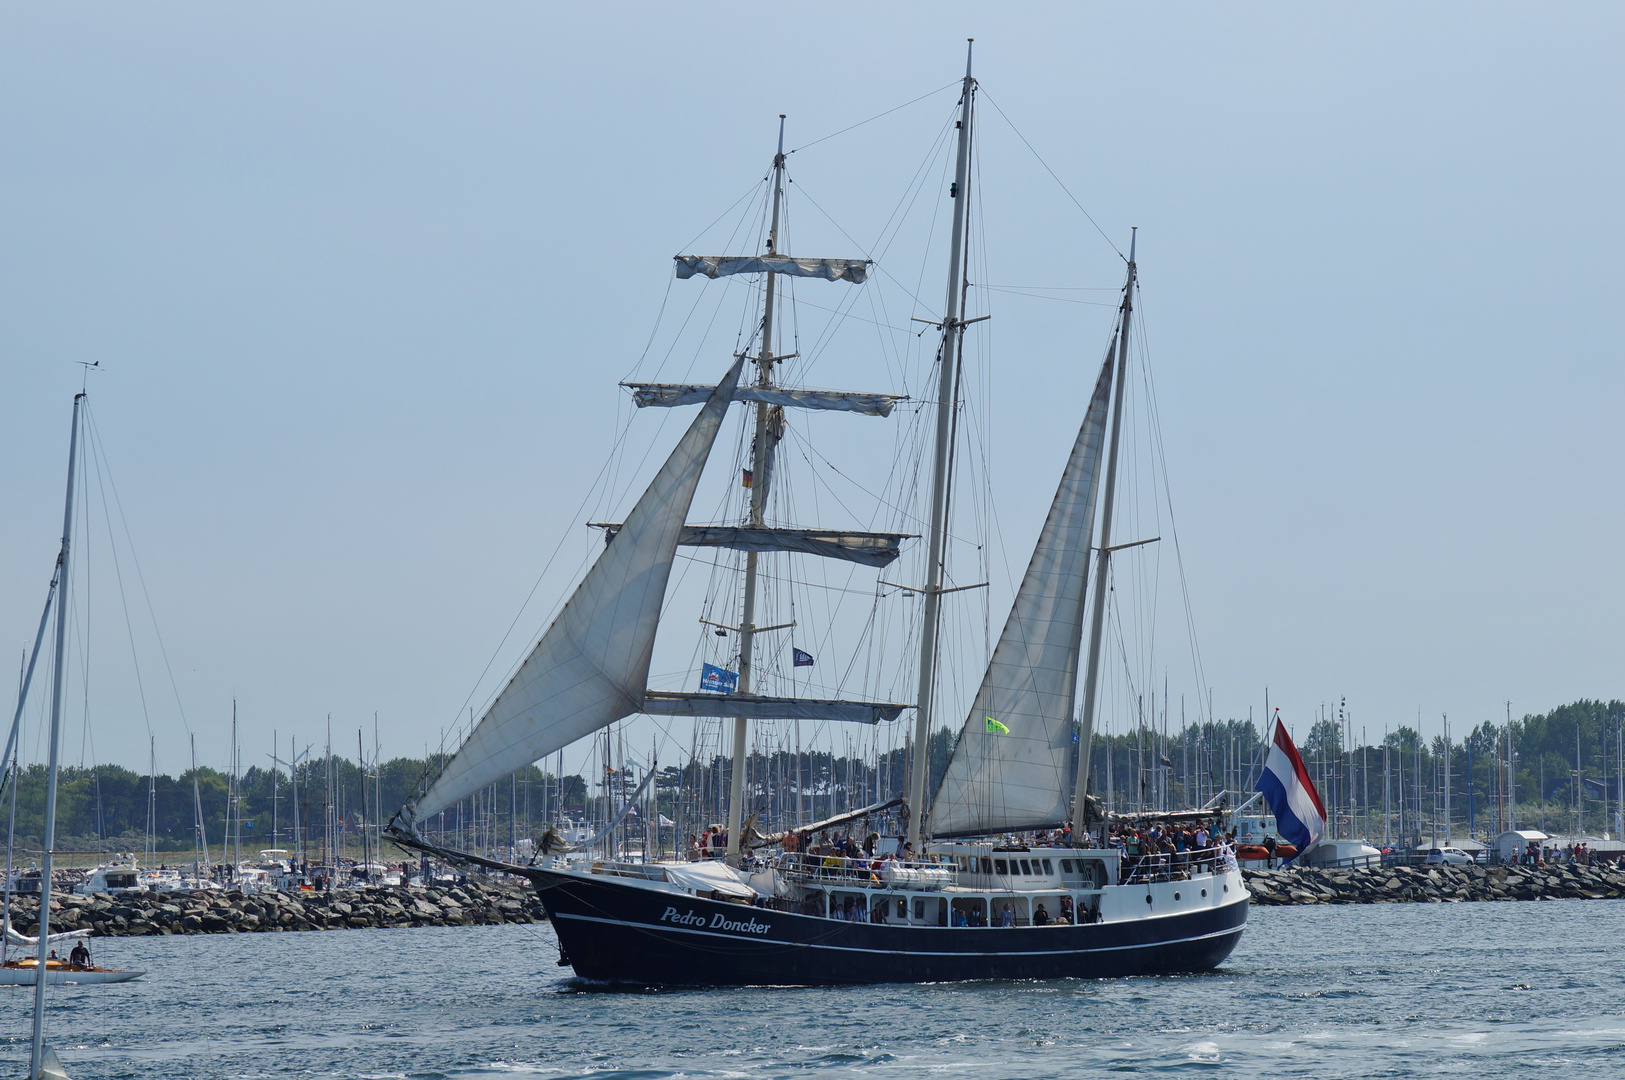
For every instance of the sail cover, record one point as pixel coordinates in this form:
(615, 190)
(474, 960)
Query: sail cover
(759, 707)
(715, 266)
(669, 394)
(865, 548)
(1011, 767)
(591, 666)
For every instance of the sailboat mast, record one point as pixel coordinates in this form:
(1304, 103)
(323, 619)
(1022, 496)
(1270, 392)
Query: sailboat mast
(758, 500)
(952, 329)
(1091, 684)
(58, 669)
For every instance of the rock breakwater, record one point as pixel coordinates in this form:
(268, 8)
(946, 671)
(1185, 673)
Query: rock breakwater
(1434, 884)
(234, 912)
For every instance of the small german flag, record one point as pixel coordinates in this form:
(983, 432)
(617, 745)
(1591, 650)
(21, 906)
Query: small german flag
(996, 728)
(746, 479)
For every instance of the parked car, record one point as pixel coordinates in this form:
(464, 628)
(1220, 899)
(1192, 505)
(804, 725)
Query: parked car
(1448, 857)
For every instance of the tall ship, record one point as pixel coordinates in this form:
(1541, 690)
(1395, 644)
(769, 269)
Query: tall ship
(1010, 870)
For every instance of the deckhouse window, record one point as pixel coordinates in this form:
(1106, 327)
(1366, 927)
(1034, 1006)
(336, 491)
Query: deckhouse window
(1000, 866)
(1048, 867)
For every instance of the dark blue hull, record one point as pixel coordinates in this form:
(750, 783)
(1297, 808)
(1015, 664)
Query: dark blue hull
(617, 932)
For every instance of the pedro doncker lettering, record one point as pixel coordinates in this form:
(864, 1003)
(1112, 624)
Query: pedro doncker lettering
(717, 922)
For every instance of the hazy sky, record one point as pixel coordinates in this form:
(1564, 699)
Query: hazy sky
(362, 279)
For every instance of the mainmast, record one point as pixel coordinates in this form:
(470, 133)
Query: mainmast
(1091, 682)
(36, 1057)
(952, 329)
(758, 499)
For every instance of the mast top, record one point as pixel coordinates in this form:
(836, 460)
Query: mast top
(970, 43)
(1133, 237)
(778, 158)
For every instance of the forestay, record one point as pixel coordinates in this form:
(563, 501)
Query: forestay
(666, 395)
(1010, 768)
(761, 707)
(592, 665)
(716, 266)
(864, 548)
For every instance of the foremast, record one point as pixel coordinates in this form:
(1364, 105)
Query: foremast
(758, 501)
(1091, 682)
(952, 330)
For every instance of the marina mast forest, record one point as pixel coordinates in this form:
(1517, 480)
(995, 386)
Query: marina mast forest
(1565, 776)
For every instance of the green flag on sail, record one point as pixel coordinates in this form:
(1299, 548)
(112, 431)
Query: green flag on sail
(996, 728)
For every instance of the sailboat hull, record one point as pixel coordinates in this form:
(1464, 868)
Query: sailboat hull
(28, 975)
(612, 931)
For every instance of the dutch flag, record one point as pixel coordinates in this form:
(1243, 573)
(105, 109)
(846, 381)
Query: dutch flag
(1300, 817)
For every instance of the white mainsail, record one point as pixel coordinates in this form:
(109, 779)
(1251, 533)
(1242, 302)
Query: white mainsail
(1010, 767)
(591, 667)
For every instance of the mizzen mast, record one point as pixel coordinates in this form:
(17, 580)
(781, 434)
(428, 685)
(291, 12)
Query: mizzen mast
(758, 500)
(952, 330)
(1091, 683)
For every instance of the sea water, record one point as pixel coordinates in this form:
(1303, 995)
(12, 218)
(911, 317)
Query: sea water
(1476, 990)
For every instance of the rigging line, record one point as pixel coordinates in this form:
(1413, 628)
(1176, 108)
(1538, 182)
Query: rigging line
(118, 574)
(781, 579)
(1052, 299)
(849, 315)
(141, 577)
(873, 118)
(748, 193)
(655, 329)
(1179, 558)
(1057, 179)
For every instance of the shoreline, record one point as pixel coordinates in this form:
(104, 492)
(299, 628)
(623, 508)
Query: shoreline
(1433, 884)
(235, 912)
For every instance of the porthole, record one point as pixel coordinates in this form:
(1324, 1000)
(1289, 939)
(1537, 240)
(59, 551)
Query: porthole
(1204, 892)
(1148, 898)
(1176, 896)
(1227, 888)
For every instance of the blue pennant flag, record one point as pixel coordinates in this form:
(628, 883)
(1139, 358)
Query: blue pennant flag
(801, 659)
(718, 680)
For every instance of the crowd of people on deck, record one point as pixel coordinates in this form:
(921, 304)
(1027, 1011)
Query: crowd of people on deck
(1171, 848)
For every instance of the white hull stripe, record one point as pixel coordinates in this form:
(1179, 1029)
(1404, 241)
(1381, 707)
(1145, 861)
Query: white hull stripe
(911, 952)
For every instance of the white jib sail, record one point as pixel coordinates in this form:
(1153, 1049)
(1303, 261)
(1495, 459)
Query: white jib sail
(1011, 766)
(591, 667)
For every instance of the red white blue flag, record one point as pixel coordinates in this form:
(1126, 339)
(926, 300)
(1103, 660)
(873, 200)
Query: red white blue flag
(1300, 816)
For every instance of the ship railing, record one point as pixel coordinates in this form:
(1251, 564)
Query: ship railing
(1170, 866)
(865, 873)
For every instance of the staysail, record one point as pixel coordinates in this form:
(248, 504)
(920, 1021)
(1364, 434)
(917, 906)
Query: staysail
(1010, 768)
(592, 665)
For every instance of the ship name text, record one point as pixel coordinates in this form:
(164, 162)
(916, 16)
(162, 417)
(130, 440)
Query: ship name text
(718, 922)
